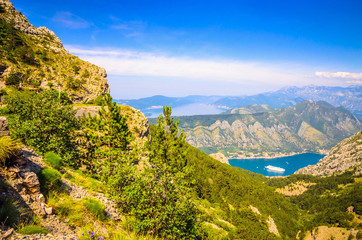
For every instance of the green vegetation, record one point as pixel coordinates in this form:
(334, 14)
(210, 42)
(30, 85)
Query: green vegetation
(159, 198)
(49, 179)
(53, 160)
(95, 208)
(9, 212)
(326, 202)
(67, 208)
(33, 229)
(107, 138)
(8, 148)
(43, 121)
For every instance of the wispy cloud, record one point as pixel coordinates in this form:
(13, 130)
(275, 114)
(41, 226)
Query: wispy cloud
(134, 63)
(344, 75)
(128, 28)
(71, 20)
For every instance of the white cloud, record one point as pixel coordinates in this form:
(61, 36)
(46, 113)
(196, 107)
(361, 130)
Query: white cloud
(71, 20)
(356, 82)
(134, 63)
(343, 75)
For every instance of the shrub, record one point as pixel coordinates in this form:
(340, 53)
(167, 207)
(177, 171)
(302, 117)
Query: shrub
(49, 179)
(13, 79)
(8, 148)
(33, 229)
(53, 160)
(95, 208)
(44, 122)
(359, 235)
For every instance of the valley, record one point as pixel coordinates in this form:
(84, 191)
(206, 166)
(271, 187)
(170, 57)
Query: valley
(76, 164)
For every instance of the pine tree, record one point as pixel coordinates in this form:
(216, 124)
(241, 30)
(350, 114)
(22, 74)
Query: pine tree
(108, 138)
(167, 145)
(159, 198)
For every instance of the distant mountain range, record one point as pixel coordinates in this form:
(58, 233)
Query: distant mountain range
(306, 127)
(348, 97)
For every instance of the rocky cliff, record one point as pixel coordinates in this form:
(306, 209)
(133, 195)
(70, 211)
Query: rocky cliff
(346, 155)
(306, 127)
(35, 58)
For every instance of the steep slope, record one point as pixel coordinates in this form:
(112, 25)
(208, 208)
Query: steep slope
(345, 155)
(306, 127)
(34, 58)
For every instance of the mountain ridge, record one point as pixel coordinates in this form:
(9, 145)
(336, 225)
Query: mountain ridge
(348, 97)
(35, 58)
(306, 127)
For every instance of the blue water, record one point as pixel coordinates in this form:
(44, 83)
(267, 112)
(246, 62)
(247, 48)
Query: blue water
(290, 164)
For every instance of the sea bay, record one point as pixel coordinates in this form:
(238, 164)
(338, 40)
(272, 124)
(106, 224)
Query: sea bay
(289, 163)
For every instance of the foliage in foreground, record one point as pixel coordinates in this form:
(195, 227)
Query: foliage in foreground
(94, 207)
(156, 196)
(8, 148)
(43, 121)
(33, 229)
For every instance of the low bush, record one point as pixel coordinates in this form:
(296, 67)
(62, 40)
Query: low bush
(33, 229)
(49, 179)
(53, 160)
(95, 208)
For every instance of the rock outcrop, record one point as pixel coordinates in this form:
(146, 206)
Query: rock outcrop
(220, 157)
(40, 60)
(345, 155)
(4, 126)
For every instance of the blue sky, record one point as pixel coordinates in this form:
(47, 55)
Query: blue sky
(179, 48)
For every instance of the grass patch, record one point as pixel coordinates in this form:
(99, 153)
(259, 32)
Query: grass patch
(81, 179)
(8, 148)
(9, 213)
(33, 229)
(66, 207)
(49, 179)
(95, 208)
(53, 160)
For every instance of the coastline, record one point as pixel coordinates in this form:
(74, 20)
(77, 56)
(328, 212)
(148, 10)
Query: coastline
(271, 155)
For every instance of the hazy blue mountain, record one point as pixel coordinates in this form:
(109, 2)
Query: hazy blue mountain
(348, 97)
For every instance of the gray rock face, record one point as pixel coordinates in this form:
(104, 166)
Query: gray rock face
(4, 126)
(22, 24)
(345, 155)
(31, 182)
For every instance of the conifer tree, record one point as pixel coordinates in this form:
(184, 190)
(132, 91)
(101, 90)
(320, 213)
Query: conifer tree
(108, 138)
(158, 198)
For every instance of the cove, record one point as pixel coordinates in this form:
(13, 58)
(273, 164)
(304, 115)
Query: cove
(290, 163)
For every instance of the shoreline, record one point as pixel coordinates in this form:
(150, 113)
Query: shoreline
(274, 155)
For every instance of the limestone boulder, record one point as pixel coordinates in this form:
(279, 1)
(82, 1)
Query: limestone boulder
(4, 126)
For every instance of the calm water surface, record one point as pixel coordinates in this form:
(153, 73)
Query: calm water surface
(290, 164)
